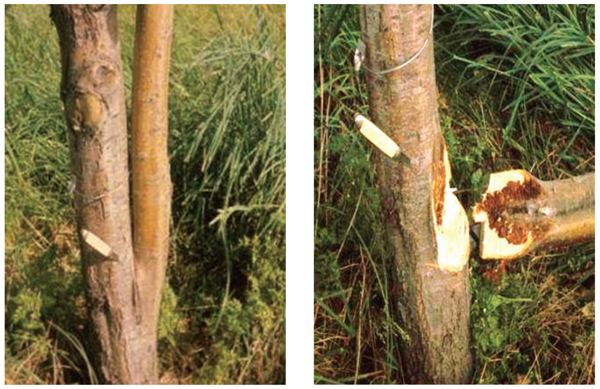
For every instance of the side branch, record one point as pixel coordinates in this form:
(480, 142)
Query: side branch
(521, 214)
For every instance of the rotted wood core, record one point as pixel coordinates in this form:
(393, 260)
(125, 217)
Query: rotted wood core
(508, 212)
(520, 214)
(440, 166)
(424, 220)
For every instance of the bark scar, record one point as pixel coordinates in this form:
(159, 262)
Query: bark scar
(86, 112)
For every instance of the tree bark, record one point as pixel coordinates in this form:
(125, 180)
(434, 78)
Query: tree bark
(123, 296)
(521, 214)
(151, 184)
(93, 94)
(427, 226)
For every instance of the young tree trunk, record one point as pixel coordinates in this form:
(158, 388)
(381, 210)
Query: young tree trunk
(521, 214)
(93, 94)
(427, 226)
(123, 312)
(151, 184)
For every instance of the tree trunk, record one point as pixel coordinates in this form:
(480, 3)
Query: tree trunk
(123, 323)
(151, 184)
(521, 214)
(427, 226)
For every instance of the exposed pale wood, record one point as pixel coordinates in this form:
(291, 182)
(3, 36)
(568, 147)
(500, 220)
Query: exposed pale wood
(377, 137)
(521, 214)
(96, 243)
(452, 234)
(431, 294)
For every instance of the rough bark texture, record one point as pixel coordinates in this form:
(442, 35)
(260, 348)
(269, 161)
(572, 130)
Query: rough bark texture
(123, 312)
(151, 184)
(521, 214)
(433, 304)
(93, 93)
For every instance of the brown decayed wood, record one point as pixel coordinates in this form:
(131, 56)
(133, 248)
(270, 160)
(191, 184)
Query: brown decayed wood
(439, 186)
(521, 214)
(504, 206)
(432, 303)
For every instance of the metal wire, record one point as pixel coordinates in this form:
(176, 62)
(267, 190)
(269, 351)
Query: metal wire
(411, 59)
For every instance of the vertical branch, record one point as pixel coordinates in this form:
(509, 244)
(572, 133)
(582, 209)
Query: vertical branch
(426, 224)
(151, 183)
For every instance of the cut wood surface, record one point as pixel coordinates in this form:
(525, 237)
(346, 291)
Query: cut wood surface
(451, 226)
(521, 214)
(377, 137)
(426, 225)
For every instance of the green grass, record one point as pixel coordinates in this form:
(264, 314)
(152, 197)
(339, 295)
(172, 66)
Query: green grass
(223, 311)
(515, 90)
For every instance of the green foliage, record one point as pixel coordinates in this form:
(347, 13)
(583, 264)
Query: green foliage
(228, 154)
(171, 323)
(493, 313)
(536, 325)
(222, 314)
(515, 90)
(354, 328)
(252, 326)
(537, 58)
(529, 74)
